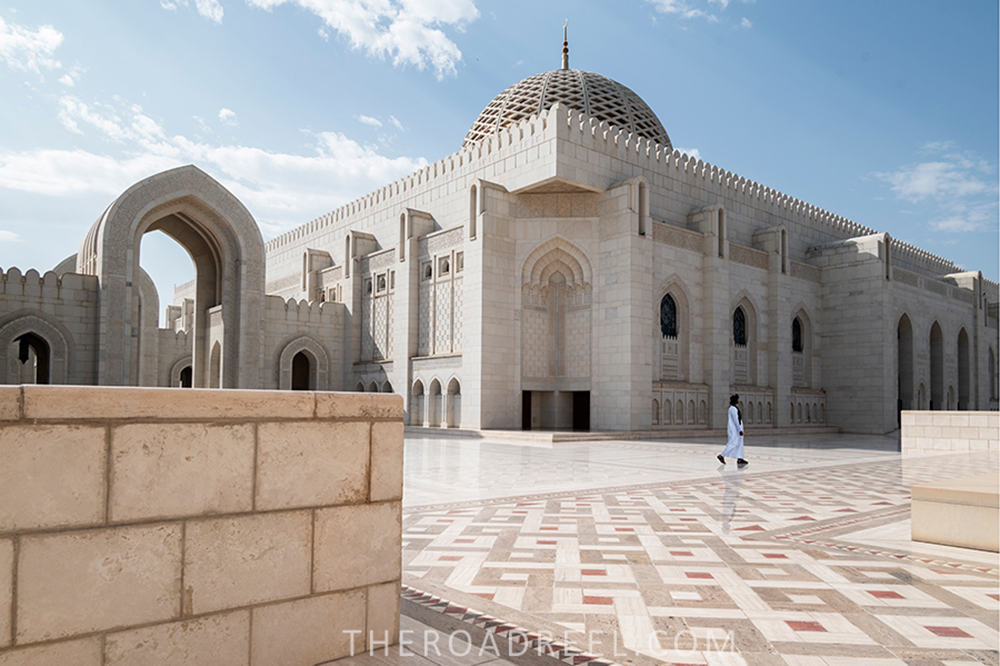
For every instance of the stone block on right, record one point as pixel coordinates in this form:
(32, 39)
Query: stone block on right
(961, 512)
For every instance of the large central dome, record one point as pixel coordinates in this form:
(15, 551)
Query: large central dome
(596, 95)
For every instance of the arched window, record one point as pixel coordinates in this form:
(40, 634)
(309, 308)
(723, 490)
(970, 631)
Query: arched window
(668, 317)
(796, 335)
(740, 327)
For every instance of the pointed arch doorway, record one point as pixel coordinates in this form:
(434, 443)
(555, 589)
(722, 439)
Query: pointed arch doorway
(227, 250)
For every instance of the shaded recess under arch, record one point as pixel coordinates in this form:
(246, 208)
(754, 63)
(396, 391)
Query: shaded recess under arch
(313, 365)
(228, 254)
(36, 327)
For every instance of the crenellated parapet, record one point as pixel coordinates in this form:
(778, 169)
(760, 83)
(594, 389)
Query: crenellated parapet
(48, 286)
(581, 129)
(302, 311)
(921, 260)
(431, 175)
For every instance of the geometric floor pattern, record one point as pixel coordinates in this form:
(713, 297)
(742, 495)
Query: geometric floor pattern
(796, 563)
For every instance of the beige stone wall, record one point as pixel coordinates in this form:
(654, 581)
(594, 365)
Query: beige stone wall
(142, 526)
(943, 432)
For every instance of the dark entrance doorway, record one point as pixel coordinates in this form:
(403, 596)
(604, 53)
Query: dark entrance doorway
(300, 372)
(186, 377)
(35, 349)
(525, 410)
(581, 410)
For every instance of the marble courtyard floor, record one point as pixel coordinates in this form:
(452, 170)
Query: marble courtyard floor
(645, 552)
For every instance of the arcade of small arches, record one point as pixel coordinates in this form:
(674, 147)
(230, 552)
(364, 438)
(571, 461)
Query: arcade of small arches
(435, 407)
(923, 386)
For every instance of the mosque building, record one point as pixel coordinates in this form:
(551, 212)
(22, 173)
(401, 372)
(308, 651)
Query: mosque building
(565, 269)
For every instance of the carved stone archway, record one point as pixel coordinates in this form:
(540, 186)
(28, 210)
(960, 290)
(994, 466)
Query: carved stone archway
(58, 338)
(319, 361)
(228, 253)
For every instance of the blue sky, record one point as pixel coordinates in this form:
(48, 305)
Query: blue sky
(883, 112)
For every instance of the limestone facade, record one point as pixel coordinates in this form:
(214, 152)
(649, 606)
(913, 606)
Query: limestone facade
(556, 273)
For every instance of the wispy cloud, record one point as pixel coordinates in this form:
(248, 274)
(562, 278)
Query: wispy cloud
(227, 117)
(210, 9)
(956, 188)
(408, 31)
(281, 189)
(9, 237)
(29, 51)
(398, 125)
(704, 9)
(368, 120)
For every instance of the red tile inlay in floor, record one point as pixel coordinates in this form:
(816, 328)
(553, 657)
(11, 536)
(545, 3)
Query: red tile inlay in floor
(594, 572)
(464, 541)
(450, 558)
(994, 596)
(805, 625)
(550, 529)
(775, 556)
(697, 574)
(624, 529)
(485, 595)
(542, 542)
(598, 601)
(682, 553)
(885, 594)
(948, 632)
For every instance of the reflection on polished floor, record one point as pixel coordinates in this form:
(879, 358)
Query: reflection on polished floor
(652, 552)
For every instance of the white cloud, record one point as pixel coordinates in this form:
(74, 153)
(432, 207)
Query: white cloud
(691, 152)
(981, 216)
(679, 7)
(368, 120)
(67, 80)
(228, 117)
(29, 51)
(689, 9)
(408, 31)
(210, 9)
(956, 189)
(396, 123)
(324, 34)
(917, 182)
(9, 237)
(282, 190)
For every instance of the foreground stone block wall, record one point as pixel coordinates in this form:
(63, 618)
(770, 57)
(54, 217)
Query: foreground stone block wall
(943, 432)
(142, 526)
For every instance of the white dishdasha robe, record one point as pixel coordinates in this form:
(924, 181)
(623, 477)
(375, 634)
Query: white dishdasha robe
(734, 448)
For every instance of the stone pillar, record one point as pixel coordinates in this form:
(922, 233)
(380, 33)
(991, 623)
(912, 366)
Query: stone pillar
(489, 350)
(622, 385)
(716, 318)
(779, 317)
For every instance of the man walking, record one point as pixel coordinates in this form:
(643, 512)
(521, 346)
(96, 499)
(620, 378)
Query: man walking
(734, 448)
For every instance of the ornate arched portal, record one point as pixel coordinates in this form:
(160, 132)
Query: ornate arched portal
(228, 254)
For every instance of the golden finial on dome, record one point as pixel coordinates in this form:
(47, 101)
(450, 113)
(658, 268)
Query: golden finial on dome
(565, 58)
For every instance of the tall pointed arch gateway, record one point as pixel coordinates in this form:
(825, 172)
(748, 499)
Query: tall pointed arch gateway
(228, 253)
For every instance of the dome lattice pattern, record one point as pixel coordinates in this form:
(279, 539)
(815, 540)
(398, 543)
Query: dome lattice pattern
(593, 94)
